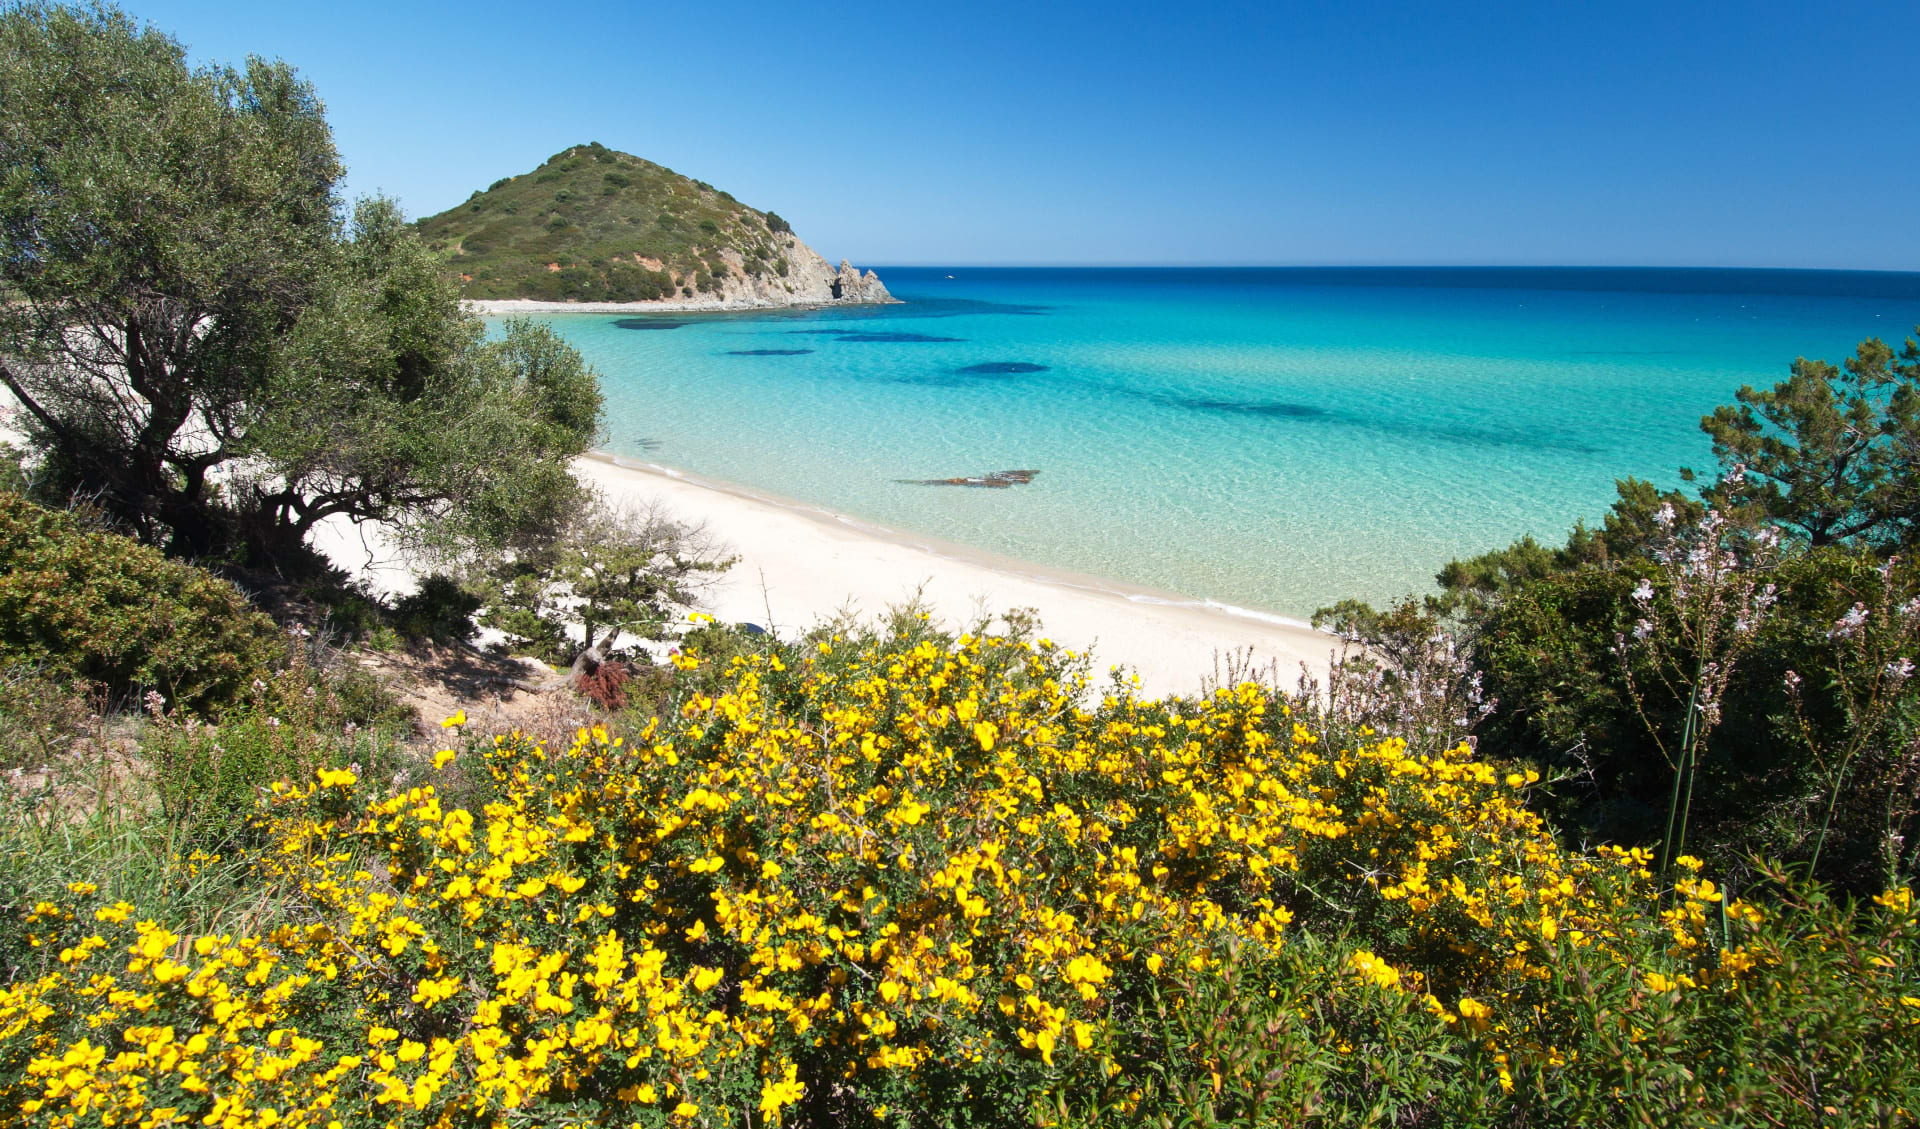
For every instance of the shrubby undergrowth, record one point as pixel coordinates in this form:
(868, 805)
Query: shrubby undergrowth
(81, 603)
(911, 878)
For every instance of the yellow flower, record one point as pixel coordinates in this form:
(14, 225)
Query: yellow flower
(443, 758)
(686, 1110)
(986, 733)
(1375, 970)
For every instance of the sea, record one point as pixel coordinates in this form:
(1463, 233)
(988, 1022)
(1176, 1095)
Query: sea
(1268, 440)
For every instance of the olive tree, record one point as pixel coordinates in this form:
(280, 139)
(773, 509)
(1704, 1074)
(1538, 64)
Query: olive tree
(206, 343)
(615, 569)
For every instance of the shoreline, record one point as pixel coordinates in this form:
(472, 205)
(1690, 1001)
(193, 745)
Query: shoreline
(800, 564)
(507, 307)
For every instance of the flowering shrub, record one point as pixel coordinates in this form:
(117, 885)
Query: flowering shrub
(919, 879)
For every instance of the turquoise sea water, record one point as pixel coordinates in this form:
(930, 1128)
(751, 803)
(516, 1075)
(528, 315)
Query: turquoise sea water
(1270, 439)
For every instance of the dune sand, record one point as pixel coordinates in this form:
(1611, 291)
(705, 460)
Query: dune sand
(799, 564)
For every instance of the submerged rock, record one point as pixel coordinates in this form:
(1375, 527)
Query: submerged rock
(998, 480)
(1002, 368)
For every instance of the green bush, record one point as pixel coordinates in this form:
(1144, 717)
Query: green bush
(82, 604)
(40, 718)
(210, 778)
(1808, 716)
(441, 611)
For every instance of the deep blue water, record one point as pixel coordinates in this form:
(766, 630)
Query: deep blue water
(1270, 438)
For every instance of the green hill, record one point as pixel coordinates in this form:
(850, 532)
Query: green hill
(594, 224)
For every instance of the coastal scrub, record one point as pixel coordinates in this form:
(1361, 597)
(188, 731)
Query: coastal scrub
(919, 878)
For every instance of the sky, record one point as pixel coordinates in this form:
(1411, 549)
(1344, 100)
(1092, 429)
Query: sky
(1753, 133)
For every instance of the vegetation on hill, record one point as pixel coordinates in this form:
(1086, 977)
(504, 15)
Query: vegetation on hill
(600, 225)
(211, 349)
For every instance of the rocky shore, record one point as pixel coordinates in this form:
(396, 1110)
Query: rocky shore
(810, 281)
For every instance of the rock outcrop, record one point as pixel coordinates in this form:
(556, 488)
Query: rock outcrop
(810, 281)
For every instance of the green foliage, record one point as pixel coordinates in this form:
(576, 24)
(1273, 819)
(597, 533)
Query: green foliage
(441, 611)
(76, 603)
(40, 718)
(1288, 1041)
(232, 320)
(608, 211)
(1829, 453)
(1586, 700)
(406, 416)
(209, 779)
(612, 571)
(163, 226)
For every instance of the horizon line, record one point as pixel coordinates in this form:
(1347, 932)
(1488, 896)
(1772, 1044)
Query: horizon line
(1065, 265)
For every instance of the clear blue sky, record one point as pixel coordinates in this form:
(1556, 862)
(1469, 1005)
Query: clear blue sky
(1729, 133)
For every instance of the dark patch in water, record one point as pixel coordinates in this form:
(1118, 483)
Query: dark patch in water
(768, 352)
(649, 323)
(1465, 434)
(876, 338)
(1003, 368)
(1278, 408)
(1624, 353)
(895, 338)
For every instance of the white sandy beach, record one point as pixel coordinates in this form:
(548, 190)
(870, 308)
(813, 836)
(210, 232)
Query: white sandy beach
(799, 565)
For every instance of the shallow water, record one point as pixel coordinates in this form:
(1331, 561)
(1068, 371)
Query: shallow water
(1272, 439)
